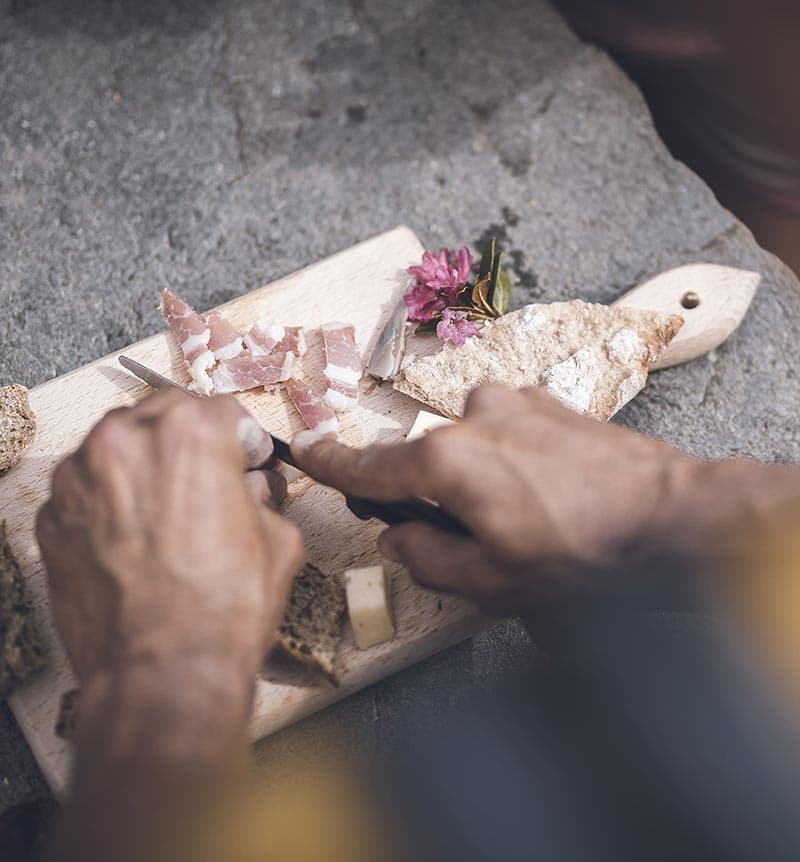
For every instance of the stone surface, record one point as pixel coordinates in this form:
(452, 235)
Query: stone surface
(212, 147)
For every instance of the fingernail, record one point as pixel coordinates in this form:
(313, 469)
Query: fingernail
(305, 440)
(387, 547)
(256, 443)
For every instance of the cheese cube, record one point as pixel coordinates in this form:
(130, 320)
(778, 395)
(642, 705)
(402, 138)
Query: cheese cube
(426, 422)
(369, 605)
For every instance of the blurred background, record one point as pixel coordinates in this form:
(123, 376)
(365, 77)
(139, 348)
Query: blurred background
(720, 80)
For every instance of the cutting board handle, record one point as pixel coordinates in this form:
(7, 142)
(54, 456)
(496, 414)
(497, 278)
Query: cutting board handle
(712, 300)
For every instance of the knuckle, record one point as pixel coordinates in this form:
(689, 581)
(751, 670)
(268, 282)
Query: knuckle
(224, 405)
(434, 446)
(189, 421)
(540, 398)
(107, 438)
(441, 446)
(180, 407)
(348, 468)
(485, 397)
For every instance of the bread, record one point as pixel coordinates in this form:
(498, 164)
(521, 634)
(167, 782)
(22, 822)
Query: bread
(17, 424)
(593, 358)
(313, 622)
(21, 650)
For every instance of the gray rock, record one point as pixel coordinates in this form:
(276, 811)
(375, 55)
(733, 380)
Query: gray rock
(214, 147)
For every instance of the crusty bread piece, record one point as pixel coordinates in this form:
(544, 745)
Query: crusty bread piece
(593, 358)
(313, 622)
(21, 650)
(17, 424)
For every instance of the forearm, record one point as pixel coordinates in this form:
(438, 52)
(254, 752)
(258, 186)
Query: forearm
(158, 753)
(719, 506)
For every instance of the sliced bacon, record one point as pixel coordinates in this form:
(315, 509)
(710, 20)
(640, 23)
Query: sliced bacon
(225, 341)
(267, 360)
(192, 334)
(264, 338)
(343, 367)
(247, 371)
(317, 415)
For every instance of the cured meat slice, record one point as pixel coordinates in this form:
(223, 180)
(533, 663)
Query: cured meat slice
(247, 371)
(264, 338)
(343, 367)
(192, 334)
(317, 415)
(267, 360)
(225, 341)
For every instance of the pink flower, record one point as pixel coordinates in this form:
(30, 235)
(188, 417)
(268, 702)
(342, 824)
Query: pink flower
(463, 264)
(423, 301)
(438, 280)
(455, 327)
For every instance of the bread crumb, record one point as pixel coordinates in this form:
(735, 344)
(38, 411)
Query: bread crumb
(17, 424)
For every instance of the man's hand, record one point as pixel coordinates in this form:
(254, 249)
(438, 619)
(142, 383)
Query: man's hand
(169, 570)
(538, 485)
(159, 550)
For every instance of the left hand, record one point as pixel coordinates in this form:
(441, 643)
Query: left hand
(160, 550)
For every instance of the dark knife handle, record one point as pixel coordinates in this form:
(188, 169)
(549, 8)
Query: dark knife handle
(405, 511)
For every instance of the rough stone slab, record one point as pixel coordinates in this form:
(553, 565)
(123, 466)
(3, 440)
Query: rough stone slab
(212, 147)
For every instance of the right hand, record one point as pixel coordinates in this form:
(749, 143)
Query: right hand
(539, 486)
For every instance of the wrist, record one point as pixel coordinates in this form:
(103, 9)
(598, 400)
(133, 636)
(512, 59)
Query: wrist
(193, 709)
(712, 502)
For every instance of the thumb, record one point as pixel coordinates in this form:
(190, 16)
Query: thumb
(440, 561)
(381, 472)
(266, 487)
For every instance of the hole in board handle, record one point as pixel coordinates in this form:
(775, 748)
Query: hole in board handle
(690, 299)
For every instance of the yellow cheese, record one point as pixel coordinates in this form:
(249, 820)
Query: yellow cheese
(426, 422)
(369, 605)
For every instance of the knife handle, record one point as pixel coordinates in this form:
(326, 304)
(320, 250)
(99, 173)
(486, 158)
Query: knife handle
(407, 511)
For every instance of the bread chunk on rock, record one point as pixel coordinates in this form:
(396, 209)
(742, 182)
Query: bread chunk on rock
(594, 358)
(314, 619)
(17, 424)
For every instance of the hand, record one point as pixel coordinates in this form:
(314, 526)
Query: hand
(160, 550)
(539, 485)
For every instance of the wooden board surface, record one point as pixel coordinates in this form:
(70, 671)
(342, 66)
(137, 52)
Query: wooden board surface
(360, 285)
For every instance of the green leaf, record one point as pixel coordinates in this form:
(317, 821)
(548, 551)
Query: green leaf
(430, 326)
(502, 292)
(496, 267)
(493, 278)
(487, 258)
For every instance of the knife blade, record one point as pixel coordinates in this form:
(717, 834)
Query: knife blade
(384, 361)
(391, 513)
(157, 381)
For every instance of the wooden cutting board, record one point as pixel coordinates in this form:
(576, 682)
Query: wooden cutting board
(360, 285)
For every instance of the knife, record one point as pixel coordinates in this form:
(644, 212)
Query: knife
(384, 361)
(395, 512)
